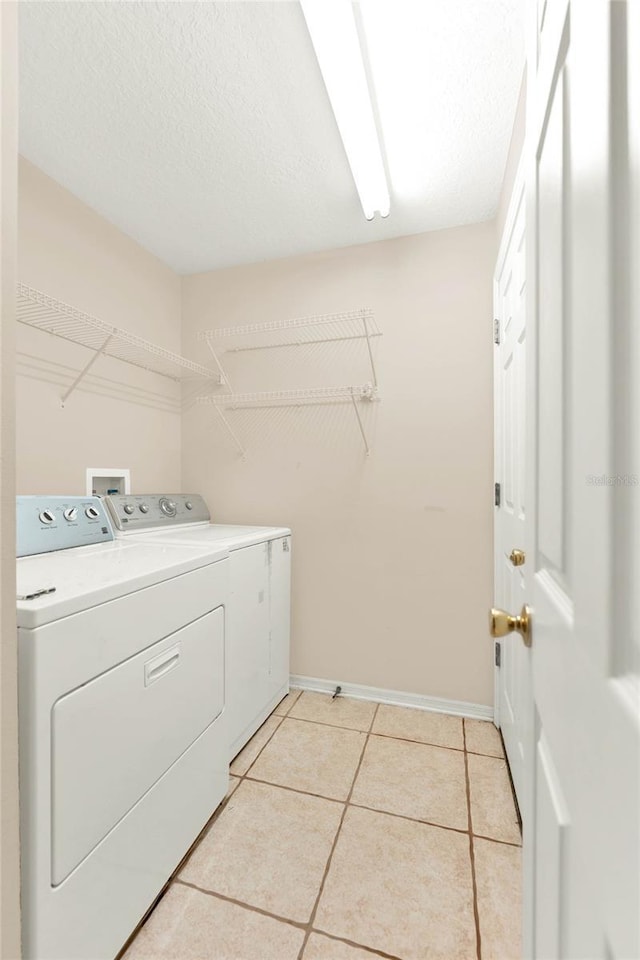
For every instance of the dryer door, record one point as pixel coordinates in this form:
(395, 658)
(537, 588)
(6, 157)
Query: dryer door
(115, 736)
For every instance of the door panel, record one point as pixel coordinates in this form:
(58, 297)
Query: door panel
(551, 332)
(512, 679)
(581, 834)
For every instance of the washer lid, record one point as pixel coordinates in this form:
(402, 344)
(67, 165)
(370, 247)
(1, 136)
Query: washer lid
(84, 577)
(229, 536)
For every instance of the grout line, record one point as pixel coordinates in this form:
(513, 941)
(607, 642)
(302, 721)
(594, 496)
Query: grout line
(299, 925)
(309, 927)
(325, 723)
(505, 843)
(241, 776)
(276, 916)
(476, 915)
(375, 733)
(353, 943)
(401, 816)
(305, 793)
(389, 736)
(335, 839)
(387, 813)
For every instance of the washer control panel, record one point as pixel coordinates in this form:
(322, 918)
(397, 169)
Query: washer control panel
(45, 524)
(152, 511)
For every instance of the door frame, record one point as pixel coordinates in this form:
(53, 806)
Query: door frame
(9, 807)
(518, 193)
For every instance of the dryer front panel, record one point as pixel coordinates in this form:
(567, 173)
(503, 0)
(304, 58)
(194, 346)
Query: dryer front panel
(114, 737)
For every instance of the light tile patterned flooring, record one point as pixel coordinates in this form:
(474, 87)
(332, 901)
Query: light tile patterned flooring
(352, 830)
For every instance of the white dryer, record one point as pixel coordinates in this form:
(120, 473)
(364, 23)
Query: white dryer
(258, 613)
(123, 751)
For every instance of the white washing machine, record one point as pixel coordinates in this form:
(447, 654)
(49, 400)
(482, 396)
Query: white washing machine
(258, 614)
(123, 751)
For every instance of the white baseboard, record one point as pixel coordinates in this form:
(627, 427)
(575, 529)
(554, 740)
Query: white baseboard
(459, 708)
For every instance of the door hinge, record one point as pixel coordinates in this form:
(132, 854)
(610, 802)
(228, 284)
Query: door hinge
(496, 494)
(497, 654)
(496, 331)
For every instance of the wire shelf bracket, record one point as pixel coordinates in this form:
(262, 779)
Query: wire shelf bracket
(37, 309)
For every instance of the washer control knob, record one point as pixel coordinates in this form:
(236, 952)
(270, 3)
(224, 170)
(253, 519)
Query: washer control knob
(189, 505)
(47, 516)
(144, 508)
(128, 509)
(92, 513)
(168, 507)
(70, 513)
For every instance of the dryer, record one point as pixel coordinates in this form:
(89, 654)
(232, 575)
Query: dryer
(123, 751)
(258, 612)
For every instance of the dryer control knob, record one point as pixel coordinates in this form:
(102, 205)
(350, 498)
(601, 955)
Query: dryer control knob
(168, 507)
(92, 513)
(189, 505)
(128, 508)
(47, 516)
(144, 508)
(70, 513)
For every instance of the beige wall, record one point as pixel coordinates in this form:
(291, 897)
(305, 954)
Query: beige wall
(392, 572)
(513, 157)
(9, 848)
(121, 416)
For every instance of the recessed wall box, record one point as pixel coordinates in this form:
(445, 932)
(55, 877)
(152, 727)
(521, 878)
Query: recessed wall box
(103, 481)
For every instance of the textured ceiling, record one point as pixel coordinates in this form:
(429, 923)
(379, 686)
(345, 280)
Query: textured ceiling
(203, 129)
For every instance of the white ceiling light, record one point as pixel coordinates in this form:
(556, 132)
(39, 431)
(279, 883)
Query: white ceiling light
(334, 35)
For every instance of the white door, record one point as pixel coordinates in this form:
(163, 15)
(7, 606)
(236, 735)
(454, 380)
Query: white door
(581, 807)
(513, 678)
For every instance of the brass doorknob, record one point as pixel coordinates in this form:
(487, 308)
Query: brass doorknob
(517, 557)
(501, 623)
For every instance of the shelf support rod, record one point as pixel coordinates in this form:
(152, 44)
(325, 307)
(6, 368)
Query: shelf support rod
(370, 349)
(85, 369)
(225, 379)
(360, 424)
(231, 431)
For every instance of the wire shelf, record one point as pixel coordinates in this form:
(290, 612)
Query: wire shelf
(291, 398)
(37, 309)
(352, 325)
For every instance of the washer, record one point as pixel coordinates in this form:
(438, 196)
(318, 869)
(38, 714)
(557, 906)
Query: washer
(258, 614)
(123, 751)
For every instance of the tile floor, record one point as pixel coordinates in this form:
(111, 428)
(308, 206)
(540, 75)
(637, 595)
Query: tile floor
(352, 830)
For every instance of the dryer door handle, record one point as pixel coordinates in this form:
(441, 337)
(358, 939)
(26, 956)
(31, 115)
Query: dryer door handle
(161, 665)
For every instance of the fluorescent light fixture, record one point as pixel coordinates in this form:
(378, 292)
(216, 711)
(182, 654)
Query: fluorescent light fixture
(335, 39)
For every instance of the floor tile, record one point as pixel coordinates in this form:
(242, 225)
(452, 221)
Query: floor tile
(493, 811)
(341, 712)
(311, 757)
(422, 725)
(483, 737)
(400, 887)
(499, 885)
(320, 947)
(414, 780)
(248, 754)
(268, 848)
(285, 705)
(189, 925)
